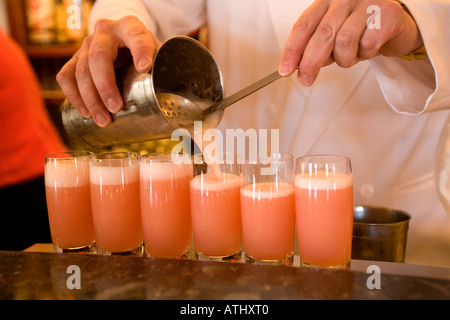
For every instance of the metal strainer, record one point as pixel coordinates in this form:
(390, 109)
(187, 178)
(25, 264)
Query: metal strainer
(180, 109)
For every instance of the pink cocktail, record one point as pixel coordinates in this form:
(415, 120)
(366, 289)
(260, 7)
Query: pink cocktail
(216, 215)
(268, 221)
(324, 213)
(165, 206)
(115, 202)
(69, 201)
(268, 208)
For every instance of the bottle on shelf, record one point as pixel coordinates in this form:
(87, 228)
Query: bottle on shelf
(57, 21)
(40, 17)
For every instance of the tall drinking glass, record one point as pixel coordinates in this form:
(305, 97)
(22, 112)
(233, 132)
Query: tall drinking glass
(115, 203)
(216, 211)
(268, 209)
(165, 205)
(324, 210)
(69, 201)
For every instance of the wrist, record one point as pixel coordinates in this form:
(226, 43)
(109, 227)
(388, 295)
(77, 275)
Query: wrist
(420, 53)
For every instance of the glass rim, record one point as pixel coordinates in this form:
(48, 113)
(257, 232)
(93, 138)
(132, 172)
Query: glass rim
(115, 156)
(224, 158)
(73, 154)
(258, 158)
(165, 157)
(338, 158)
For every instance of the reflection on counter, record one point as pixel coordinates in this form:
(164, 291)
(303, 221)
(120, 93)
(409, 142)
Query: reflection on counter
(28, 275)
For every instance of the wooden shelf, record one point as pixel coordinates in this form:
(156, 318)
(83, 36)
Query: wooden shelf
(53, 95)
(52, 50)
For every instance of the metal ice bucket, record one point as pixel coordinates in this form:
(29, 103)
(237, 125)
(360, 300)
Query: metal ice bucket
(183, 66)
(379, 234)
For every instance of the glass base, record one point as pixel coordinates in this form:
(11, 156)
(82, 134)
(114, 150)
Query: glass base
(233, 258)
(138, 252)
(288, 261)
(90, 249)
(345, 266)
(185, 256)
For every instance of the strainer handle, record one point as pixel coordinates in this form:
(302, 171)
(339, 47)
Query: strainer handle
(242, 93)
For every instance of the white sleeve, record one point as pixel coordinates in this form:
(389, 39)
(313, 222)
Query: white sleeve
(165, 18)
(414, 87)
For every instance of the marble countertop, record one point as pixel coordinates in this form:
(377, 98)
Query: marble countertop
(38, 275)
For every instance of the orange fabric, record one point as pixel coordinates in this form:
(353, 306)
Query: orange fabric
(26, 131)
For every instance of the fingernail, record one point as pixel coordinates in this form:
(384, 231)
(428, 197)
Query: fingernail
(84, 112)
(101, 120)
(114, 105)
(284, 69)
(144, 63)
(305, 80)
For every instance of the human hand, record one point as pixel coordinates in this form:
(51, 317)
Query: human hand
(336, 31)
(88, 79)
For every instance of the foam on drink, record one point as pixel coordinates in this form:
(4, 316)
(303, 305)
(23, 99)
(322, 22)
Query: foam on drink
(323, 181)
(209, 182)
(267, 190)
(164, 170)
(66, 174)
(106, 175)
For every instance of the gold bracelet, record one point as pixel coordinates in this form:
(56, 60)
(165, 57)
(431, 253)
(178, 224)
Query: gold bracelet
(419, 54)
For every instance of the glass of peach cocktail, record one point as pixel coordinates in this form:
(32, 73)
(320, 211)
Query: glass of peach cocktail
(324, 210)
(165, 204)
(216, 211)
(115, 203)
(268, 210)
(69, 201)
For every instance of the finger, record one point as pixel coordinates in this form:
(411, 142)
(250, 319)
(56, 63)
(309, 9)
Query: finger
(321, 44)
(68, 84)
(346, 47)
(370, 43)
(102, 54)
(299, 36)
(89, 93)
(141, 42)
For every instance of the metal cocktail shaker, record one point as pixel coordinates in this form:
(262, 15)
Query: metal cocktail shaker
(183, 66)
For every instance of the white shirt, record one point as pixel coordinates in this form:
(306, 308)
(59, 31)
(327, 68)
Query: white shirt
(377, 112)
